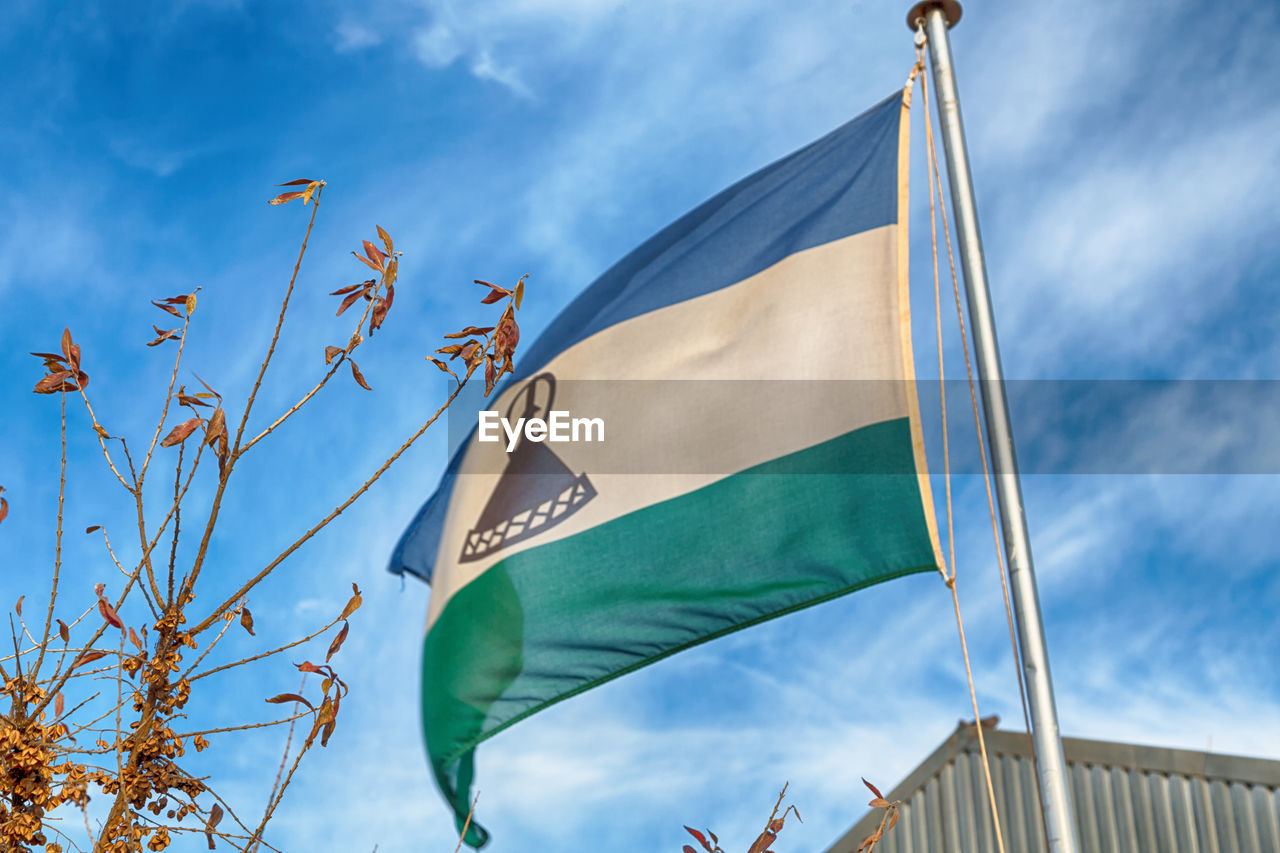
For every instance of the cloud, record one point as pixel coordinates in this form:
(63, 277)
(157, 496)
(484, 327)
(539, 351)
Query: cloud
(139, 154)
(352, 36)
(42, 242)
(436, 46)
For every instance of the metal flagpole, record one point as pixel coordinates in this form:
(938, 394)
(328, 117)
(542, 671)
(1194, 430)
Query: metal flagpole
(938, 16)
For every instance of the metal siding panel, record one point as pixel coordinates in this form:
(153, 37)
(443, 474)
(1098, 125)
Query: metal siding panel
(902, 831)
(1144, 816)
(1086, 819)
(1184, 815)
(1002, 799)
(966, 801)
(937, 835)
(1105, 805)
(1015, 820)
(919, 828)
(1246, 820)
(913, 822)
(1126, 825)
(986, 834)
(1266, 805)
(889, 842)
(1118, 810)
(1031, 804)
(1162, 809)
(950, 814)
(1223, 815)
(1205, 810)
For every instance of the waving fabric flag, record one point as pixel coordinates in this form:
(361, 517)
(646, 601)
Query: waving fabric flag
(557, 567)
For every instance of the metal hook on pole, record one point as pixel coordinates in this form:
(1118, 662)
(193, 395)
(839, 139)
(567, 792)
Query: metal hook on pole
(933, 19)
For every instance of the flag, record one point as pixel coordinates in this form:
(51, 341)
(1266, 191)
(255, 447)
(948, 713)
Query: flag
(557, 567)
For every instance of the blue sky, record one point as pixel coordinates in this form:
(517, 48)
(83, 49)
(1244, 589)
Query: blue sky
(1126, 163)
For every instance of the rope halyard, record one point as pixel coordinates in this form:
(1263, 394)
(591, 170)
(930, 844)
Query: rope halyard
(982, 450)
(935, 184)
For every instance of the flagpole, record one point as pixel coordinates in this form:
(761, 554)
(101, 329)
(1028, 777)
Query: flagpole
(938, 16)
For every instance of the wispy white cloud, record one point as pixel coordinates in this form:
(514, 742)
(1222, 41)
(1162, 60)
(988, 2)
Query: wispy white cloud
(351, 36)
(141, 154)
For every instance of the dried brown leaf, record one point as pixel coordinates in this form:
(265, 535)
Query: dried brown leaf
(378, 314)
(702, 839)
(353, 604)
(493, 296)
(59, 704)
(4, 509)
(364, 285)
(359, 377)
(762, 843)
(188, 400)
(375, 254)
(291, 697)
(64, 632)
(169, 308)
(520, 290)
(873, 789)
(246, 621)
(284, 198)
(470, 330)
(133, 638)
(308, 666)
(297, 183)
(217, 426)
(52, 382)
(18, 606)
(190, 304)
(88, 657)
(70, 351)
(348, 302)
(370, 264)
(879, 803)
(163, 335)
(386, 240)
(215, 815)
(440, 364)
(212, 393)
(337, 642)
(179, 433)
(108, 613)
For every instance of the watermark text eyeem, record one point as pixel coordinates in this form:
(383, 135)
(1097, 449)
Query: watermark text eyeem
(560, 427)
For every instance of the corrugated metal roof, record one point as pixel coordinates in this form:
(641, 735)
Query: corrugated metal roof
(1127, 799)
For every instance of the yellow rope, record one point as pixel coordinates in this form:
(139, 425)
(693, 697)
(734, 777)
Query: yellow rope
(982, 454)
(936, 181)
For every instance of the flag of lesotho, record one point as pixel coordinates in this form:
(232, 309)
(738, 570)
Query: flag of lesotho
(751, 369)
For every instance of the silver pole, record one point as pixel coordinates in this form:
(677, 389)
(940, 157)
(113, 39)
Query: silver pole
(938, 16)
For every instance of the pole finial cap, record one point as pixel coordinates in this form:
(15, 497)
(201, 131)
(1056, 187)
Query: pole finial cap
(950, 8)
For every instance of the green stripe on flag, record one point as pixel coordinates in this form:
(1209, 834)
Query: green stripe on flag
(555, 620)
